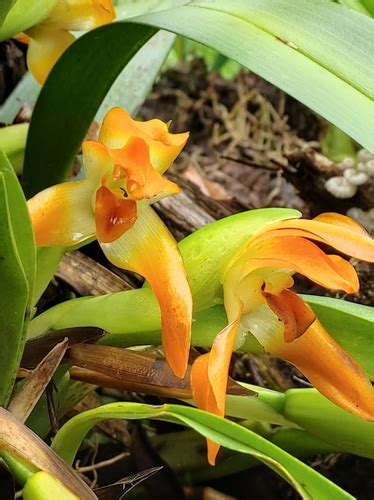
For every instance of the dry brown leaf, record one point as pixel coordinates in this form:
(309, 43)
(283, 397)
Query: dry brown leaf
(20, 442)
(24, 401)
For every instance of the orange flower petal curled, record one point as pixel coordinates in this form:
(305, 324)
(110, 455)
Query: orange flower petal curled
(118, 127)
(304, 257)
(209, 376)
(338, 231)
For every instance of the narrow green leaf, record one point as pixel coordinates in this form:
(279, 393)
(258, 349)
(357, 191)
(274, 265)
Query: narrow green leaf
(54, 138)
(291, 44)
(23, 15)
(14, 293)
(304, 479)
(318, 52)
(20, 221)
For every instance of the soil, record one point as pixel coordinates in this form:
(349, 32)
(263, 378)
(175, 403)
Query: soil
(250, 146)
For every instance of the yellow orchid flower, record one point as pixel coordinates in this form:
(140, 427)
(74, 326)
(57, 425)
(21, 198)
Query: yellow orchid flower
(49, 39)
(258, 300)
(113, 204)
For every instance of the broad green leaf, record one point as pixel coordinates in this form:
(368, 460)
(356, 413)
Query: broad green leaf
(5, 7)
(54, 138)
(23, 15)
(351, 325)
(17, 268)
(318, 52)
(305, 480)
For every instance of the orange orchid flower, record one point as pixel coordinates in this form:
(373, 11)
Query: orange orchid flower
(258, 299)
(49, 39)
(112, 204)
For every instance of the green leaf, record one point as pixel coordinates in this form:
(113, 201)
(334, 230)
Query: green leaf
(355, 5)
(55, 138)
(136, 80)
(20, 221)
(318, 52)
(351, 325)
(5, 7)
(304, 479)
(291, 44)
(14, 288)
(23, 15)
(369, 5)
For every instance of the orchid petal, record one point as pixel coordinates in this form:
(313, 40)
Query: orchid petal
(304, 257)
(45, 47)
(335, 230)
(204, 398)
(62, 214)
(149, 249)
(118, 127)
(341, 220)
(328, 367)
(97, 162)
(81, 15)
(209, 377)
(143, 181)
